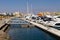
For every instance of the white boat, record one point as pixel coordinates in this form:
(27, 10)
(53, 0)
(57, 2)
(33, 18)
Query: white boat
(53, 23)
(28, 17)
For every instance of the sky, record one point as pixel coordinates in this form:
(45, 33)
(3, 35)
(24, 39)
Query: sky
(37, 5)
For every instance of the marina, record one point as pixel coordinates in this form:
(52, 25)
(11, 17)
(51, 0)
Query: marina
(24, 27)
(29, 20)
(17, 32)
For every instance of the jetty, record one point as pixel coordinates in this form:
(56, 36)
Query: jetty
(47, 28)
(3, 29)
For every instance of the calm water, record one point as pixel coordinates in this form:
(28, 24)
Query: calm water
(18, 33)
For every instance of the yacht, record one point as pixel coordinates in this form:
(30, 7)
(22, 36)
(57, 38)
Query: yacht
(56, 23)
(53, 22)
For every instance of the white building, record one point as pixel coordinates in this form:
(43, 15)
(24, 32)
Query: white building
(17, 14)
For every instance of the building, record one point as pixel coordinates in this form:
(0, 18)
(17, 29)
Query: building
(17, 14)
(40, 14)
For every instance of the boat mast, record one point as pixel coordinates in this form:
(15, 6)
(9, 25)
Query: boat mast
(31, 9)
(27, 8)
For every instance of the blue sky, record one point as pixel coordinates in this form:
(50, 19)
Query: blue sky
(37, 5)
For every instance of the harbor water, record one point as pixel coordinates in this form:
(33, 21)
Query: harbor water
(17, 32)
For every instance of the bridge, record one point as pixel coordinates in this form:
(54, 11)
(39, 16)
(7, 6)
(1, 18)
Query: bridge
(18, 21)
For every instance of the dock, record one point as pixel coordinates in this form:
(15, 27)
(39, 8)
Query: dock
(3, 24)
(3, 29)
(47, 28)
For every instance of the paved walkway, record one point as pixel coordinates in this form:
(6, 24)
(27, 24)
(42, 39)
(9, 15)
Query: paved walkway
(4, 36)
(2, 22)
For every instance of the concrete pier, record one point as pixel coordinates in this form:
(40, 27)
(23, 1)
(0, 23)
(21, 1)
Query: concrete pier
(3, 28)
(4, 36)
(49, 29)
(1, 23)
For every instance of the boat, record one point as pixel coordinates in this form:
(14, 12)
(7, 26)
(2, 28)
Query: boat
(50, 21)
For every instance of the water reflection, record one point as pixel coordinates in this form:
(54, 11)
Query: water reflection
(18, 33)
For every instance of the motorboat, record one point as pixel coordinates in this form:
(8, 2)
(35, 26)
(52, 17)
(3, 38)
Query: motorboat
(50, 22)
